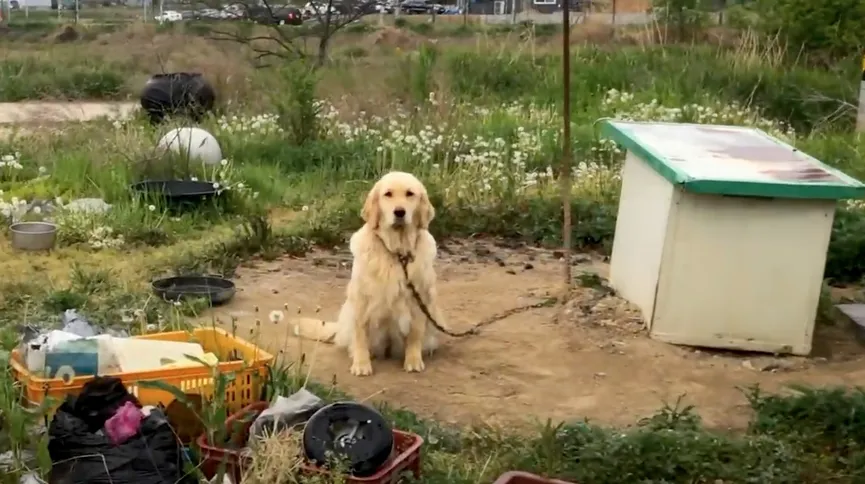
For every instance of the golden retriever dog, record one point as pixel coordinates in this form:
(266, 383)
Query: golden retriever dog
(381, 316)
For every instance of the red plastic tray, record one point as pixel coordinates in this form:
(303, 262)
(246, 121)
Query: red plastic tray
(406, 455)
(516, 477)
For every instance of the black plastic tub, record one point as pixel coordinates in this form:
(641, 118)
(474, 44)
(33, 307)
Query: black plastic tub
(215, 289)
(177, 192)
(186, 94)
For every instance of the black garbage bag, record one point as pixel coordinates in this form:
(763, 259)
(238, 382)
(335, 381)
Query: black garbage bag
(99, 400)
(80, 456)
(177, 94)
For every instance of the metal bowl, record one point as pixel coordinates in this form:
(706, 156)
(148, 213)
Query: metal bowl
(217, 290)
(33, 235)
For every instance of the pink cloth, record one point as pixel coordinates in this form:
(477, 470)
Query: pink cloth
(124, 424)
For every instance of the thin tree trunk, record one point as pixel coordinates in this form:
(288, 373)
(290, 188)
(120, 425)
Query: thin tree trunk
(322, 52)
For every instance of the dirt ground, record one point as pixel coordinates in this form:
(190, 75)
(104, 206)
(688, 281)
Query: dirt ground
(23, 117)
(594, 362)
(11, 113)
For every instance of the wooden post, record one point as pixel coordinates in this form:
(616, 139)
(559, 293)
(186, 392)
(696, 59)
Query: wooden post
(615, 11)
(860, 115)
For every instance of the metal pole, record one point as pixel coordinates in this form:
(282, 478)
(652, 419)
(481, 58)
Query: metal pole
(76, 12)
(514, 12)
(860, 117)
(565, 174)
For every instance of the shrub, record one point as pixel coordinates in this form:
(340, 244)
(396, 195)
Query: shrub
(685, 16)
(829, 27)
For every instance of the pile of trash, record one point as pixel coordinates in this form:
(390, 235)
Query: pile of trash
(77, 350)
(104, 435)
(298, 433)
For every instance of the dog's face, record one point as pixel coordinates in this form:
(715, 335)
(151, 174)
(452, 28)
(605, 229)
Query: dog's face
(397, 201)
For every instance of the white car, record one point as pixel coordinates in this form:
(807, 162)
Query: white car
(169, 16)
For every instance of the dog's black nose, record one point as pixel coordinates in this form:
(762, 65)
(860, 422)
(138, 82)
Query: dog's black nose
(400, 213)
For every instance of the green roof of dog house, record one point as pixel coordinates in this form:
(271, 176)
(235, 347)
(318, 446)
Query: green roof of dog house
(731, 160)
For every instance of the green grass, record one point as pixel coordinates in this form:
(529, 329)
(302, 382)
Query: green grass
(486, 145)
(804, 436)
(33, 79)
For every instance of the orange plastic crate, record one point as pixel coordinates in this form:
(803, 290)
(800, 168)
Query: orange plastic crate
(250, 374)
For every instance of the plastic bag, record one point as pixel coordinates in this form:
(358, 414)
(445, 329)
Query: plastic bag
(79, 456)
(124, 424)
(76, 324)
(286, 412)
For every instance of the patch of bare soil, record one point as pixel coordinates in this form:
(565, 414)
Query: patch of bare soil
(36, 117)
(67, 34)
(395, 38)
(590, 358)
(58, 112)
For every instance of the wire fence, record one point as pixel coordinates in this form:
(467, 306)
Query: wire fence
(478, 11)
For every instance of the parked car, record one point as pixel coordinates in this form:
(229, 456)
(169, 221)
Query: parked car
(277, 15)
(381, 7)
(367, 7)
(233, 12)
(169, 16)
(312, 9)
(416, 7)
(207, 14)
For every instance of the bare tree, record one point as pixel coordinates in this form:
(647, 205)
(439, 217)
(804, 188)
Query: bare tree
(333, 16)
(282, 38)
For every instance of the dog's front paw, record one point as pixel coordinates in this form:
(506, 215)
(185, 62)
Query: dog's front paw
(413, 362)
(361, 368)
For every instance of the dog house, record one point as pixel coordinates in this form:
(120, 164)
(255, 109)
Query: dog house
(722, 233)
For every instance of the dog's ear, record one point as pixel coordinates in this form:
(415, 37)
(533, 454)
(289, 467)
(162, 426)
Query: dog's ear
(370, 212)
(425, 212)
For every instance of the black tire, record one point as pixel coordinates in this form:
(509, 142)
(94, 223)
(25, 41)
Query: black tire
(178, 93)
(351, 431)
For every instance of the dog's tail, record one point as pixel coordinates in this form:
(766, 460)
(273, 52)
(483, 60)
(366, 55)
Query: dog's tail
(313, 329)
